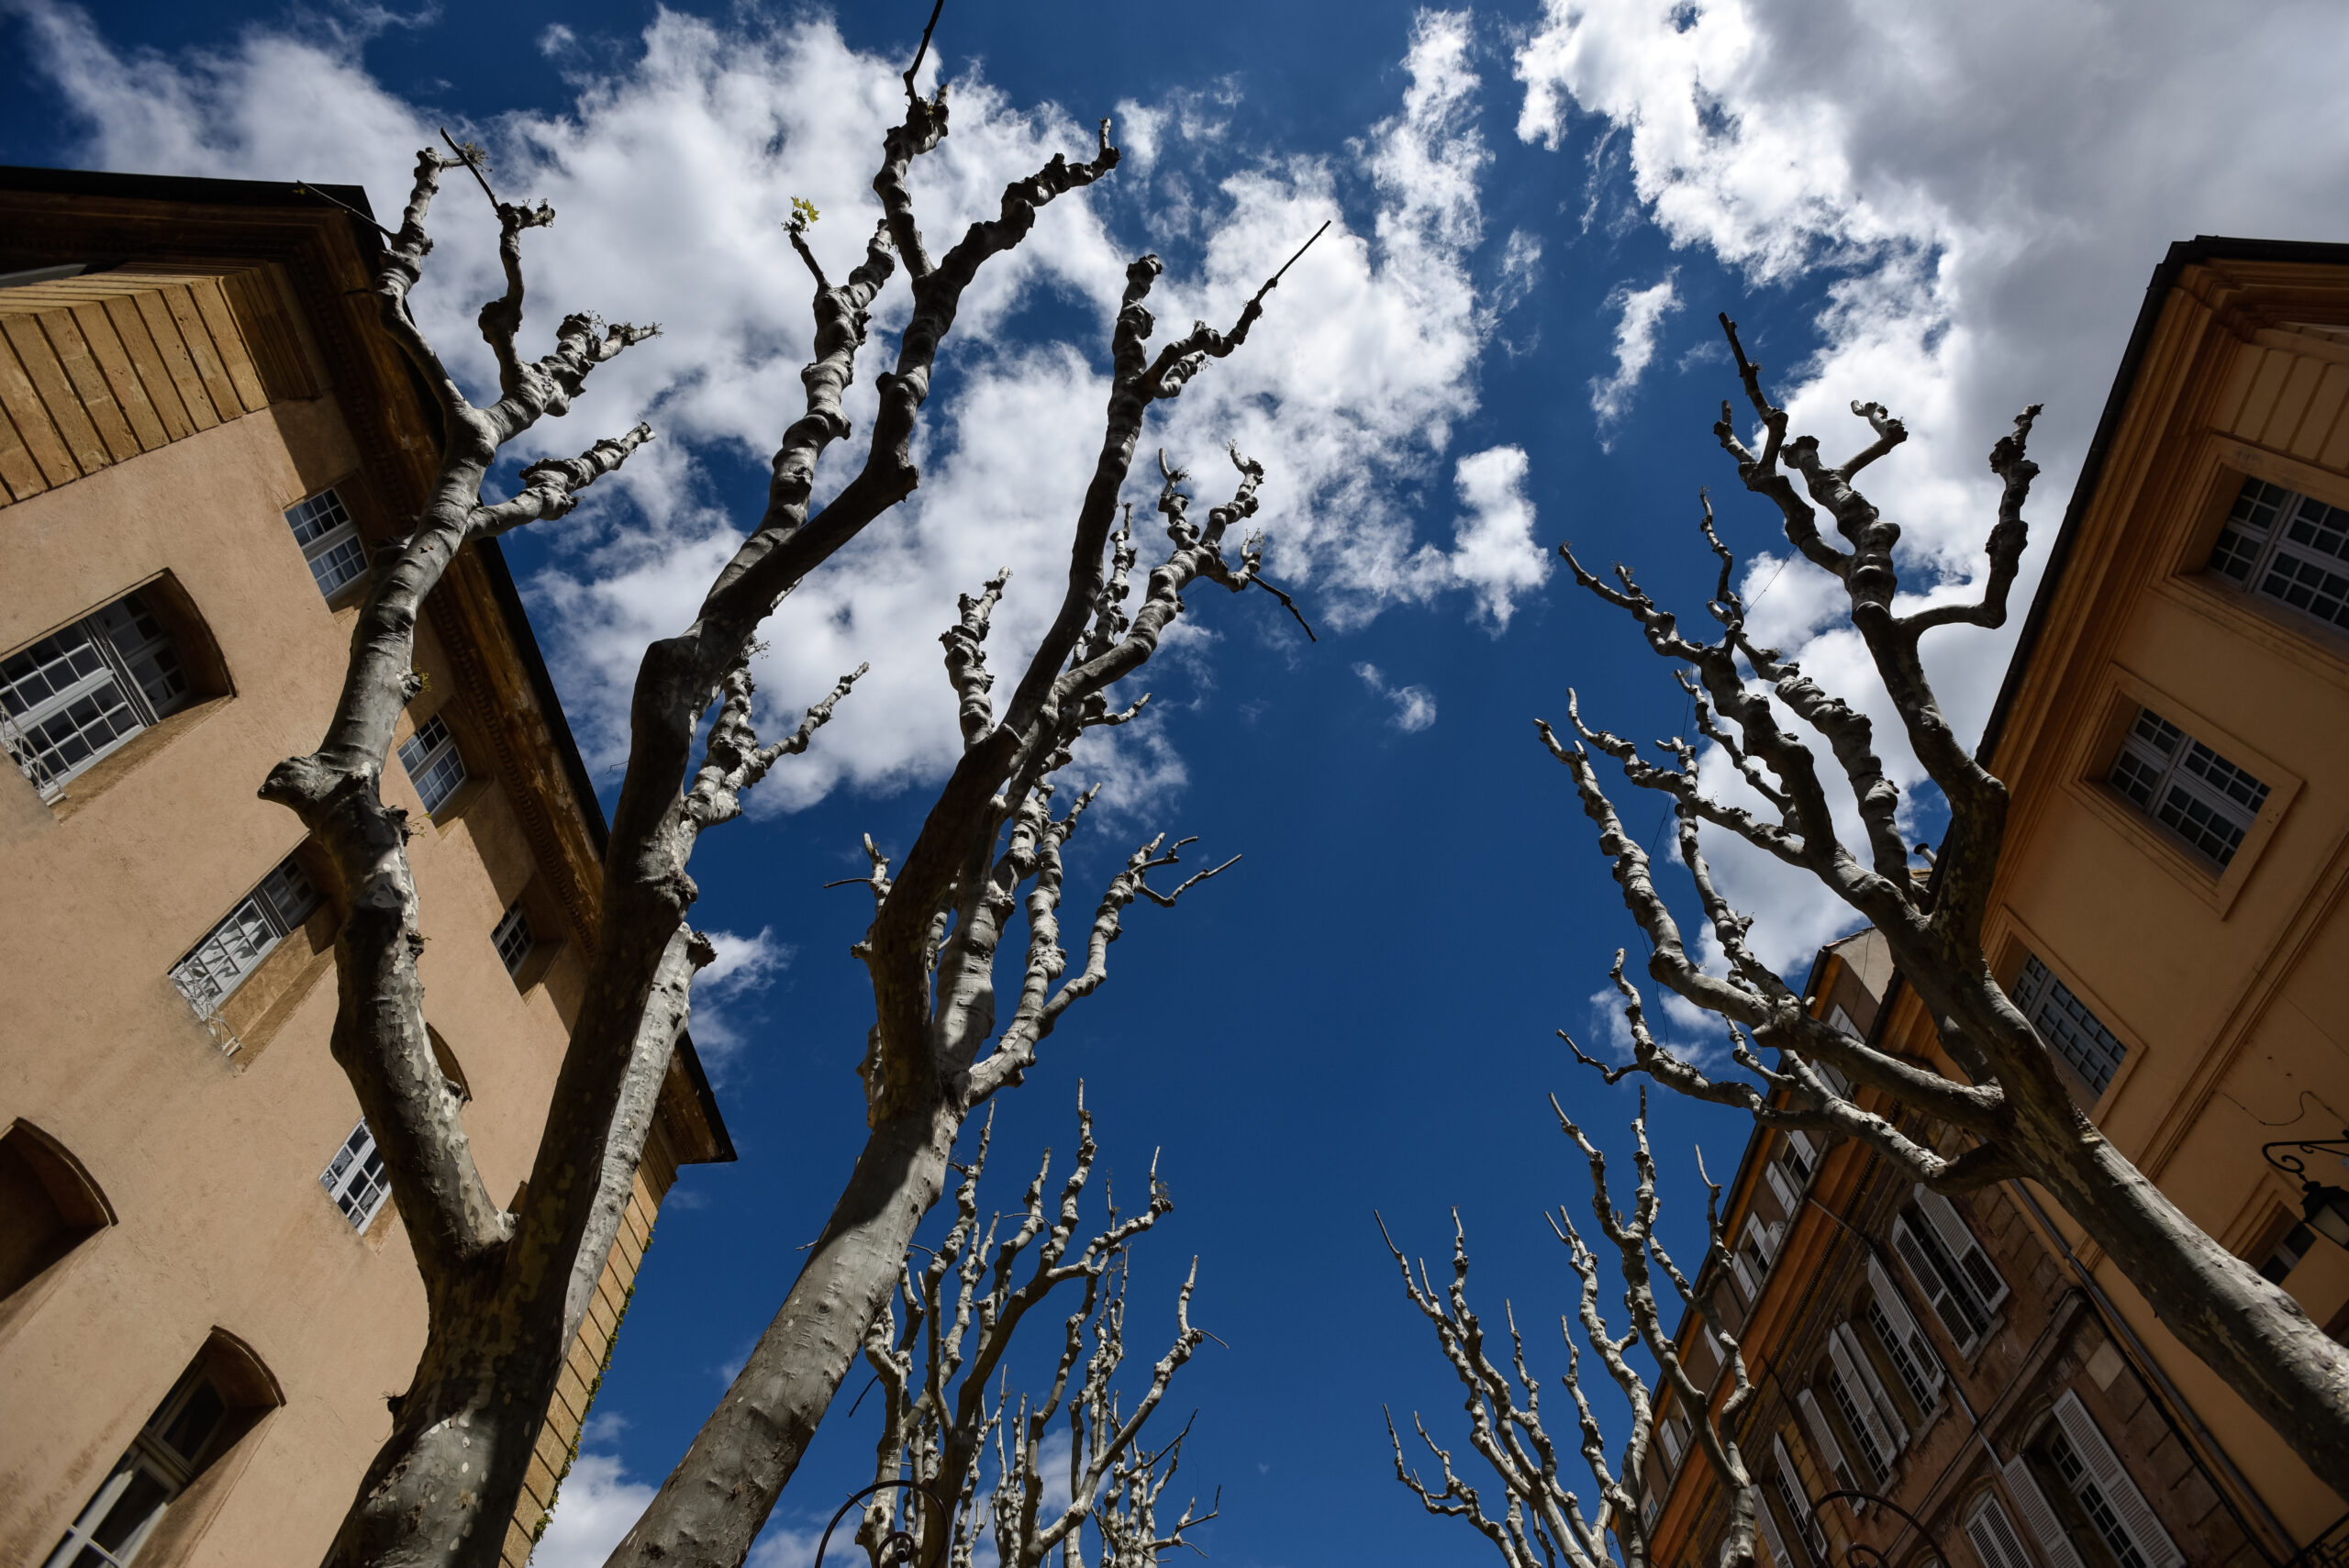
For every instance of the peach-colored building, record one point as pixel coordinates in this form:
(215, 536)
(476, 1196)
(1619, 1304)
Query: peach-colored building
(2169, 911)
(205, 1296)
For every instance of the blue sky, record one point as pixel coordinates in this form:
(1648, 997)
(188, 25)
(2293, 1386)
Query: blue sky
(1506, 339)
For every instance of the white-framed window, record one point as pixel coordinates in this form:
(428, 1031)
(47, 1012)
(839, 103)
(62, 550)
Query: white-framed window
(159, 1463)
(1830, 1452)
(513, 937)
(1859, 1374)
(355, 1177)
(2187, 787)
(79, 694)
(234, 949)
(1798, 1155)
(1798, 1500)
(433, 763)
(1865, 1427)
(1762, 1244)
(1767, 1522)
(329, 541)
(1949, 1267)
(2065, 1022)
(2287, 547)
(1674, 1433)
(2123, 1520)
(1913, 1355)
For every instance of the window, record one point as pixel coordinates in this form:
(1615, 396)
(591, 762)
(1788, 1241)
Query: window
(433, 765)
(2296, 1243)
(79, 694)
(48, 1206)
(2065, 1022)
(355, 1177)
(2285, 546)
(513, 937)
(166, 1455)
(1830, 1452)
(1993, 1536)
(2114, 1506)
(1867, 1429)
(1762, 1244)
(1798, 1501)
(1949, 1267)
(1767, 1523)
(2187, 787)
(1674, 1432)
(234, 949)
(1912, 1357)
(329, 541)
(1795, 1153)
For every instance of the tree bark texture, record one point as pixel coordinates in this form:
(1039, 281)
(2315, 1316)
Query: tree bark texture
(2009, 1111)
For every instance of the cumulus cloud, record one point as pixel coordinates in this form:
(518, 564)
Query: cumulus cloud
(726, 990)
(1981, 217)
(1348, 391)
(1640, 313)
(1414, 706)
(1493, 555)
(596, 1503)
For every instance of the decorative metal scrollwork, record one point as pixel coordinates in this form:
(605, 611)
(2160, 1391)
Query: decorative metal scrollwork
(1859, 1553)
(898, 1548)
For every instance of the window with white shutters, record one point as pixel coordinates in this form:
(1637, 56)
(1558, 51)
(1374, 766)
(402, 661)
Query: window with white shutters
(1762, 1239)
(1852, 1359)
(1989, 1287)
(2287, 547)
(232, 949)
(1992, 1536)
(355, 1177)
(1783, 1187)
(1674, 1432)
(1765, 1521)
(1912, 1354)
(2116, 1508)
(1798, 1155)
(328, 539)
(1938, 1280)
(1830, 1452)
(2187, 787)
(2055, 1546)
(80, 693)
(433, 763)
(1747, 1282)
(1866, 1428)
(2067, 1025)
(1790, 1490)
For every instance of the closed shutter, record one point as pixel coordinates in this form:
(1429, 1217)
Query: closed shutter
(1745, 1281)
(1990, 1289)
(1784, 1188)
(1850, 1355)
(1768, 1526)
(1958, 1314)
(1904, 1324)
(1823, 1435)
(2054, 1545)
(2137, 1517)
(1992, 1535)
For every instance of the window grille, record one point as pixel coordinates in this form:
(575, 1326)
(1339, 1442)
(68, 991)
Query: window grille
(1913, 1355)
(161, 1461)
(355, 1177)
(1851, 1358)
(433, 763)
(2064, 1021)
(79, 694)
(2289, 547)
(234, 949)
(513, 938)
(329, 541)
(1798, 1501)
(1873, 1442)
(2187, 787)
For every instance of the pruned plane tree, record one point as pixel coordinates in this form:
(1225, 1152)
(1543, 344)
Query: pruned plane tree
(1538, 1520)
(949, 1418)
(505, 1288)
(2004, 1112)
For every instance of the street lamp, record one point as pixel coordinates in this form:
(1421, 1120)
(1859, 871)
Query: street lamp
(2325, 1206)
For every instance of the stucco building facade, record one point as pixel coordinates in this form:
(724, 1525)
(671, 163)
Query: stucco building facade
(2169, 910)
(205, 1293)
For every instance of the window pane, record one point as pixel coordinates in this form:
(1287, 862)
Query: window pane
(2182, 784)
(2064, 1021)
(290, 895)
(221, 960)
(433, 763)
(355, 1178)
(192, 1425)
(138, 1506)
(513, 938)
(328, 540)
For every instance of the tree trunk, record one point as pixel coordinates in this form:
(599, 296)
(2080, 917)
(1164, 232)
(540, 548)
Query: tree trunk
(713, 1505)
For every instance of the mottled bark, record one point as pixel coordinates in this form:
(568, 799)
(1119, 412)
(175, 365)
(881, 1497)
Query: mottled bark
(2008, 1111)
(1542, 1522)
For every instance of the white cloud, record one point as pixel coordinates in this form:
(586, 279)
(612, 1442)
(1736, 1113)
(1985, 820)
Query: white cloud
(1983, 216)
(592, 1512)
(1348, 390)
(1414, 706)
(1642, 312)
(1494, 554)
(745, 967)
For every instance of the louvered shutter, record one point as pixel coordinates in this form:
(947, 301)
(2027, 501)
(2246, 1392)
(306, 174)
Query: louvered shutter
(1781, 1187)
(1745, 1281)
(1676, 1439)
(1956, 1315)
(2054, 1544)
(1763, 1240)
(2137, 1516)
(1823, 1435)
(1990, 1288)
(1798, 1500)
(1993, 1537)
(1805, 1151)
(1851, 1355)
(1904, 1323)
(1768, 1526)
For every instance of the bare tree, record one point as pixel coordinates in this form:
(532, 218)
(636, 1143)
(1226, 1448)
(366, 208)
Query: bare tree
(989, 847)
(505, 1289)
(1541, 1523)
(961, 1307)
(2010, 1109)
